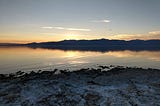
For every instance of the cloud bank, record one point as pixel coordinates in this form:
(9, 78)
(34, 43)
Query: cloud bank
(149, 35)
(155, 32)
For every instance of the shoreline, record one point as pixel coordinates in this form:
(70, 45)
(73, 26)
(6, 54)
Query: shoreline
(117, 86)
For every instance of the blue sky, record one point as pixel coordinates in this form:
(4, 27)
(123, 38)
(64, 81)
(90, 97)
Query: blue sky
(43, 20)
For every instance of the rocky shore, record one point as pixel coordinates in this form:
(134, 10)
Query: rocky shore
(85, 87)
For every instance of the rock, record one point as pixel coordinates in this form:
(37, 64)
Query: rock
(104, 67)
(92, 98)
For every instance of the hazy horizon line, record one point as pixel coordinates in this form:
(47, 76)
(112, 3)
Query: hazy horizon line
(27, 42)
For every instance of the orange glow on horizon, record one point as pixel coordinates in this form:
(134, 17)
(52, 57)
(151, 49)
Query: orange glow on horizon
(48, 38)
(69, 36)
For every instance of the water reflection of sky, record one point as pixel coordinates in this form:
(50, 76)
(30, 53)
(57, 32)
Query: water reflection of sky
(27, 59)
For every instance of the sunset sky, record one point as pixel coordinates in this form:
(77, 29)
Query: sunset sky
(23, 21)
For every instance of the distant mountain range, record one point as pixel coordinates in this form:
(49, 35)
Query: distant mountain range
(95, 45)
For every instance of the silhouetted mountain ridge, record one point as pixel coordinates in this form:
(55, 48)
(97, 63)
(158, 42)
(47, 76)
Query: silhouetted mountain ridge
(99, 42)
(97, 45)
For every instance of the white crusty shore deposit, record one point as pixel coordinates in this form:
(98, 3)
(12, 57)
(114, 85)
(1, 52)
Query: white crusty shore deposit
(84, 87)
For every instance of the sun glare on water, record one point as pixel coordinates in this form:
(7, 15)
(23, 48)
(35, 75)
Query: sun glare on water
(71, 54)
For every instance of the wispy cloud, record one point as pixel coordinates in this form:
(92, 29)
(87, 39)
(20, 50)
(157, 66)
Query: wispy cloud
(47, 27)
(64, 28)
(101, 21)
(77, 29)
(58, 28)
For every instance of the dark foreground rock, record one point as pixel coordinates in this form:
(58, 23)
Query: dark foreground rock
(85, 87)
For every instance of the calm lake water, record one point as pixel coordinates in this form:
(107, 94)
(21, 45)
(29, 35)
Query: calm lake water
(14, 59)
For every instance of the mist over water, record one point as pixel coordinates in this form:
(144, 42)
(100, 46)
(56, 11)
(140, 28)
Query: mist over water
(14, 59)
